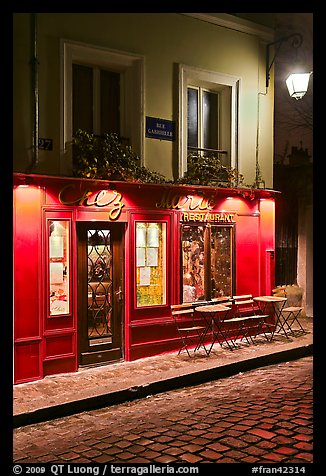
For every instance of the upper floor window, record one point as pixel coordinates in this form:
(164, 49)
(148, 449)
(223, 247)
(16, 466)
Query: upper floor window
(96, 100)
(202, 119)
(208, 112)
(102, 91)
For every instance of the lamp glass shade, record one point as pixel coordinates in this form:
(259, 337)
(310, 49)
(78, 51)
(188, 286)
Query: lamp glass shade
(297, 84)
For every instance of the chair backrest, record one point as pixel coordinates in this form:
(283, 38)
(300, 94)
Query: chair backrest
(221, 299)
(242, 297)
(279, 291)
(182, 314)
(244, 305)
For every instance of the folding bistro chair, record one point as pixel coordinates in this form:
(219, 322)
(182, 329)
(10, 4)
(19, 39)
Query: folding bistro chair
(252, 322)
(191, 331)
(290, 316)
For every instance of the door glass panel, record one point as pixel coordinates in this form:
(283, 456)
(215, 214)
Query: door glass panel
(193, 266)
(221, 261)
(99, 283)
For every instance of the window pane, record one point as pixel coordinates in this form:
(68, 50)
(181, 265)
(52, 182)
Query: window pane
(150, 264)
(193, 266)
(110, 102)
(58, 232)
(221, 261)
(210, 120)
(192, 117)
(82, 100)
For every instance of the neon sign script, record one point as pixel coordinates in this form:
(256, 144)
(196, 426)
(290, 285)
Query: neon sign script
(177, 202)
(87, 198)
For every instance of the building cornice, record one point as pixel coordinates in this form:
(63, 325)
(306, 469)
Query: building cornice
(235, 23)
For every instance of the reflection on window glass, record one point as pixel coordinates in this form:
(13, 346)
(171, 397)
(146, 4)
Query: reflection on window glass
(206, 262)
(150, 264)
(193, 249)
(221, 261)
(210, 113)
(59, 266)
(202, 119)
(192, 117)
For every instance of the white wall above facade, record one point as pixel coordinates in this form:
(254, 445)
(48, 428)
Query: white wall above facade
(227, 47)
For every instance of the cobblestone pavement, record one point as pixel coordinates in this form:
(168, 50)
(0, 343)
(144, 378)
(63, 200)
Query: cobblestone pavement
(90, 383)
(263, 415)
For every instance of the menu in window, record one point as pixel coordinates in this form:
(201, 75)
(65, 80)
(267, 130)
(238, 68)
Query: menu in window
(56, 247)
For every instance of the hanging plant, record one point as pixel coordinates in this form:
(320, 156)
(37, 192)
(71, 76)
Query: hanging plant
(208, 170)
(106, 157)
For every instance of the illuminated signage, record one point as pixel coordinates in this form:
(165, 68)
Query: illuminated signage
(221, 217)
(178, 202)
(87, 198)
(195, 208)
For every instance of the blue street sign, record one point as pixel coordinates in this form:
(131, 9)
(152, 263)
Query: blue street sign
(160, 128)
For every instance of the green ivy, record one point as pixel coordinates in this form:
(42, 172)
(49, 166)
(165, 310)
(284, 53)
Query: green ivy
(208, 170)
(107, 157)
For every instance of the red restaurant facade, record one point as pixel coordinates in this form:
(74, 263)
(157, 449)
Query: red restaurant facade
(97, 265)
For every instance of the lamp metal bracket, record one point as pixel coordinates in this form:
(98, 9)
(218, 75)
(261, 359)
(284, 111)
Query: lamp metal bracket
(296, 43)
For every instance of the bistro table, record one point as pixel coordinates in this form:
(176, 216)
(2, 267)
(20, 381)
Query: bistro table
(264, 301)
(214, 317)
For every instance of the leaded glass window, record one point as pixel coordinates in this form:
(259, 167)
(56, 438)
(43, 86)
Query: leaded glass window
(99, 284)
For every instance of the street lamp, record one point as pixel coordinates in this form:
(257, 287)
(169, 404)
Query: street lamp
(297, 83)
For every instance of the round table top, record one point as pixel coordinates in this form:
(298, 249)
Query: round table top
(212, 308)
(270, 298)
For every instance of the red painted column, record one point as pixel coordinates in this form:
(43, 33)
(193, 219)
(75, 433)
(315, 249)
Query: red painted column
(27, 288)
(267, 246)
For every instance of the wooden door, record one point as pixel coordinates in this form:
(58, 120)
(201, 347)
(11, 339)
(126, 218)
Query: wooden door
(100, 292)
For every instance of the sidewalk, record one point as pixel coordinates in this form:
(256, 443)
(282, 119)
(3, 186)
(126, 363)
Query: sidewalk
(65, 394)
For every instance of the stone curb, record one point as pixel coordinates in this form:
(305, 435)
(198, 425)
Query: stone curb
(159, 386)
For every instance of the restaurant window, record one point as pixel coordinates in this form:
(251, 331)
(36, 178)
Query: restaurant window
(150, 264)
(207, 262)
(102, 91)
(58, 266)
(208, 111)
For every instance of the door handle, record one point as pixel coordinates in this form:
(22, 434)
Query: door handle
(119, 293)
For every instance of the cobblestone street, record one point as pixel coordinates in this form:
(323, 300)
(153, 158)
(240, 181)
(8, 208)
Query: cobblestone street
(260, 416)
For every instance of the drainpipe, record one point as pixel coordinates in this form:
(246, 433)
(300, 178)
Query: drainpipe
(34, 64)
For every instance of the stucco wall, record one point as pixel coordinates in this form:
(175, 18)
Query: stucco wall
(165, 40)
